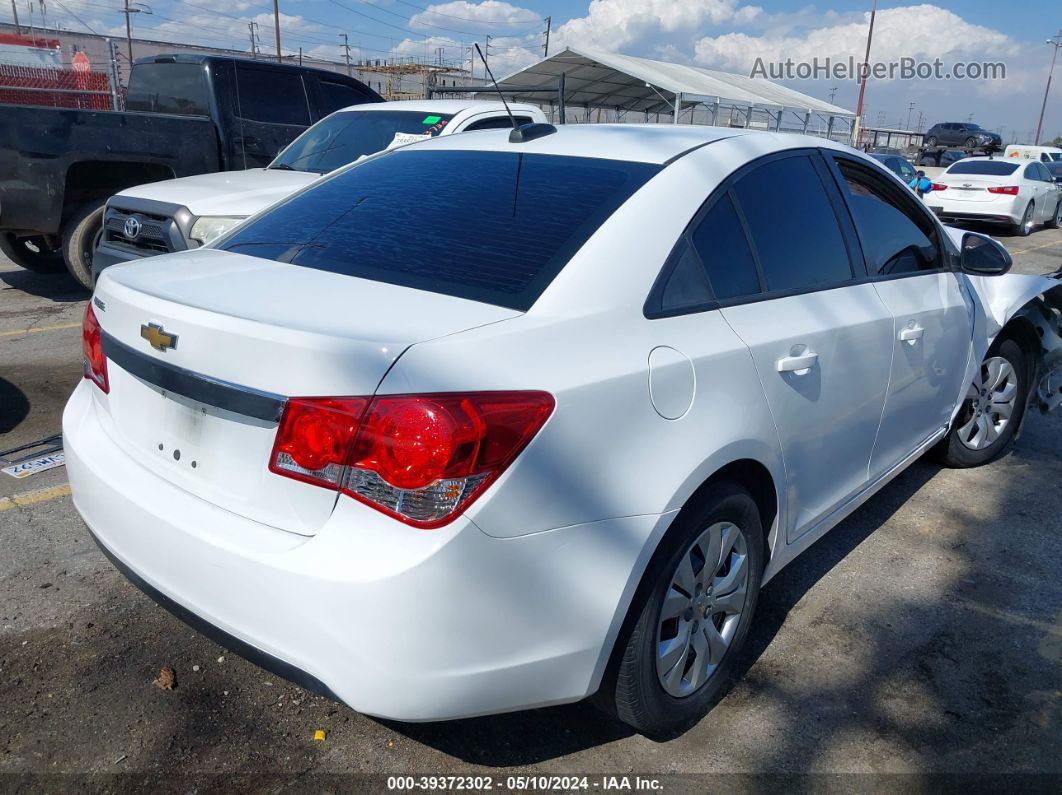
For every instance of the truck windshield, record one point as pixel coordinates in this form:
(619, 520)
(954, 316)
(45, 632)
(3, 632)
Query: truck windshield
(178, 88)
(345, 136)
(495, 227)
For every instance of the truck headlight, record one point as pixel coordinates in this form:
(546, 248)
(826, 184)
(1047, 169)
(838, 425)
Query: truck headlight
(211, 227)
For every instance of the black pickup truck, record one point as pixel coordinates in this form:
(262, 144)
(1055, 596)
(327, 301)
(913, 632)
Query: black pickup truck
(185, 114)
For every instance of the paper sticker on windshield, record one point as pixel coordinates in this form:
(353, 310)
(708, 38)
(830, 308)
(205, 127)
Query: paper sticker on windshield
(401, 139)
(431, 119)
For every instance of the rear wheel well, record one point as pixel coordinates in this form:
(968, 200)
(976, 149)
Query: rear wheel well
(757, 479)
(100, 179)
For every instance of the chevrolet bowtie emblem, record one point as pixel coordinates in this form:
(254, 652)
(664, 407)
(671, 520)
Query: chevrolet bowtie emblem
(158, 338)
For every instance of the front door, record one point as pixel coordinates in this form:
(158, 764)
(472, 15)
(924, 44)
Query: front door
(933, 318)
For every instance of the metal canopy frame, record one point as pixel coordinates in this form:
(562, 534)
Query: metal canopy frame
(625, 84)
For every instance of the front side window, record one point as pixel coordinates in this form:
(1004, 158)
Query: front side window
(339, 95)
(495, 227)
(895, 236)
(344, 137)
(272, 97)
(793, 225)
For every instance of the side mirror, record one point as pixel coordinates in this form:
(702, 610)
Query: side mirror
(983, 256)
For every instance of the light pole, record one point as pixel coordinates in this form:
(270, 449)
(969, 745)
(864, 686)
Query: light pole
(910, 107)
(863, 77)
(1056, 42)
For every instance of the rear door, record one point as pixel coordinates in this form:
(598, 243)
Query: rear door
(933, 320)
(271, 108)
(820, 340)
(1045, 191)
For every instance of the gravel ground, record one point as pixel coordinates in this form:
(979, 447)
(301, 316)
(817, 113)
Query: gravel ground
(923, 636)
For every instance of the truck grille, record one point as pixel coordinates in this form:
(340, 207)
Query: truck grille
(153, 236)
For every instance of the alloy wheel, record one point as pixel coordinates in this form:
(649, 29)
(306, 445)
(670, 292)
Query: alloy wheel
(1027, 220)
(702, 609)
(989, 404)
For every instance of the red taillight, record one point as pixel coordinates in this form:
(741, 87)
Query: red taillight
(420, 458)
(937, 187)
(1009, 190)
(92, 348)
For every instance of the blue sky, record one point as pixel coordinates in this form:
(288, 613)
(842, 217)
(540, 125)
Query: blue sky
(721, 34)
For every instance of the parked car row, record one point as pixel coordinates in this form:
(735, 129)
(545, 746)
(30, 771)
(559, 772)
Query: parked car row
(506, 419)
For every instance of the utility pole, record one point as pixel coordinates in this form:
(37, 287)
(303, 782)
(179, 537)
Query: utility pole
(486, 54)
(254, 44)
(1056, 42)
(346, 50)
(14, 10)
(545, 47)
(863, 76)
(276, 25)
(833, 93)
(129, 29)
(910, 107)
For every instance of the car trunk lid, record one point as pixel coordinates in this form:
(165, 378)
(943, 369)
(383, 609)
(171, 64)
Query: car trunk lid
(203, 348)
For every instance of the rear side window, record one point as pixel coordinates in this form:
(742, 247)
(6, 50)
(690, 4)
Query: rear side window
(895, 237)
(178, 88)
(723, 248)
(495, 227)
(793, 225)
(269, 96)
(686, 287)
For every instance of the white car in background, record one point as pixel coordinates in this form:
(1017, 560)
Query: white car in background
(1019, 193)
(188, 212)
(481, 425)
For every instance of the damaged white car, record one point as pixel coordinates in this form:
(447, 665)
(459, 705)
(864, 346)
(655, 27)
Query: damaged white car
(543, 430)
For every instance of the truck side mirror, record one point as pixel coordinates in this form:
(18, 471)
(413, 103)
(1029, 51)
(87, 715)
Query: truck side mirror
(984, 256)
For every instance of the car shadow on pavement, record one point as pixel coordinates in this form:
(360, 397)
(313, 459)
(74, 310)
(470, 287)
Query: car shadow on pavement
(14, 407)
(58, 287)
(534, 736)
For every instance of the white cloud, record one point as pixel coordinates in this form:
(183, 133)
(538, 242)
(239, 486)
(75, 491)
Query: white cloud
(488, 16)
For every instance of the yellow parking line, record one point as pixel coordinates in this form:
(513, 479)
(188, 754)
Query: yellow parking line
(34, 497)
(1034, 248)
(39, 329)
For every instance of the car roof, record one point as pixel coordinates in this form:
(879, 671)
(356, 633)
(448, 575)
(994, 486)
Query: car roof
(449, 106)
(645, 143)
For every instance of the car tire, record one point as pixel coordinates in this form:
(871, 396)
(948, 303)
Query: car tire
(1024, 227)
(81, 233)
(970, 443)
(931, 141)
(1055, 221)
(31, 253)
(634, 690)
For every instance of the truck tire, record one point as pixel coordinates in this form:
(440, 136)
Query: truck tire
(81, 233)
(31, 253)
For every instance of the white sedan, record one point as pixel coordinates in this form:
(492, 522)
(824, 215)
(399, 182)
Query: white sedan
(485, 424)
(1020, 194)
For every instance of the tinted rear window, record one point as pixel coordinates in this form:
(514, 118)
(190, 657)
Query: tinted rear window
(178, 88)
(495, 227)
(993, 167)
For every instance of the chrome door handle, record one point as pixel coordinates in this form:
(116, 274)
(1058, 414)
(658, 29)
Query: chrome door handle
(799, 364)
(912, 334)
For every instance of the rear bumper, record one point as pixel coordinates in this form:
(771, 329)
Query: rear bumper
(396, 622)
(1007, 210)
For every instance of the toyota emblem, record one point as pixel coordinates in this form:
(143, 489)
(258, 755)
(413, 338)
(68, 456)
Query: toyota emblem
(132, 227)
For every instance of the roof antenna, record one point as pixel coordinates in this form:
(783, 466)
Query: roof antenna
(520, 132)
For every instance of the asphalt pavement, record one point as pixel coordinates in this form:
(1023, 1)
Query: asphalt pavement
(923, 636)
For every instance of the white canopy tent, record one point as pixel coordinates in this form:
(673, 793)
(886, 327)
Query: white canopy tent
(624, 84)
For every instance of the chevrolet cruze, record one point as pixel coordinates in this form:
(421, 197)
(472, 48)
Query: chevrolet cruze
(495, 422)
